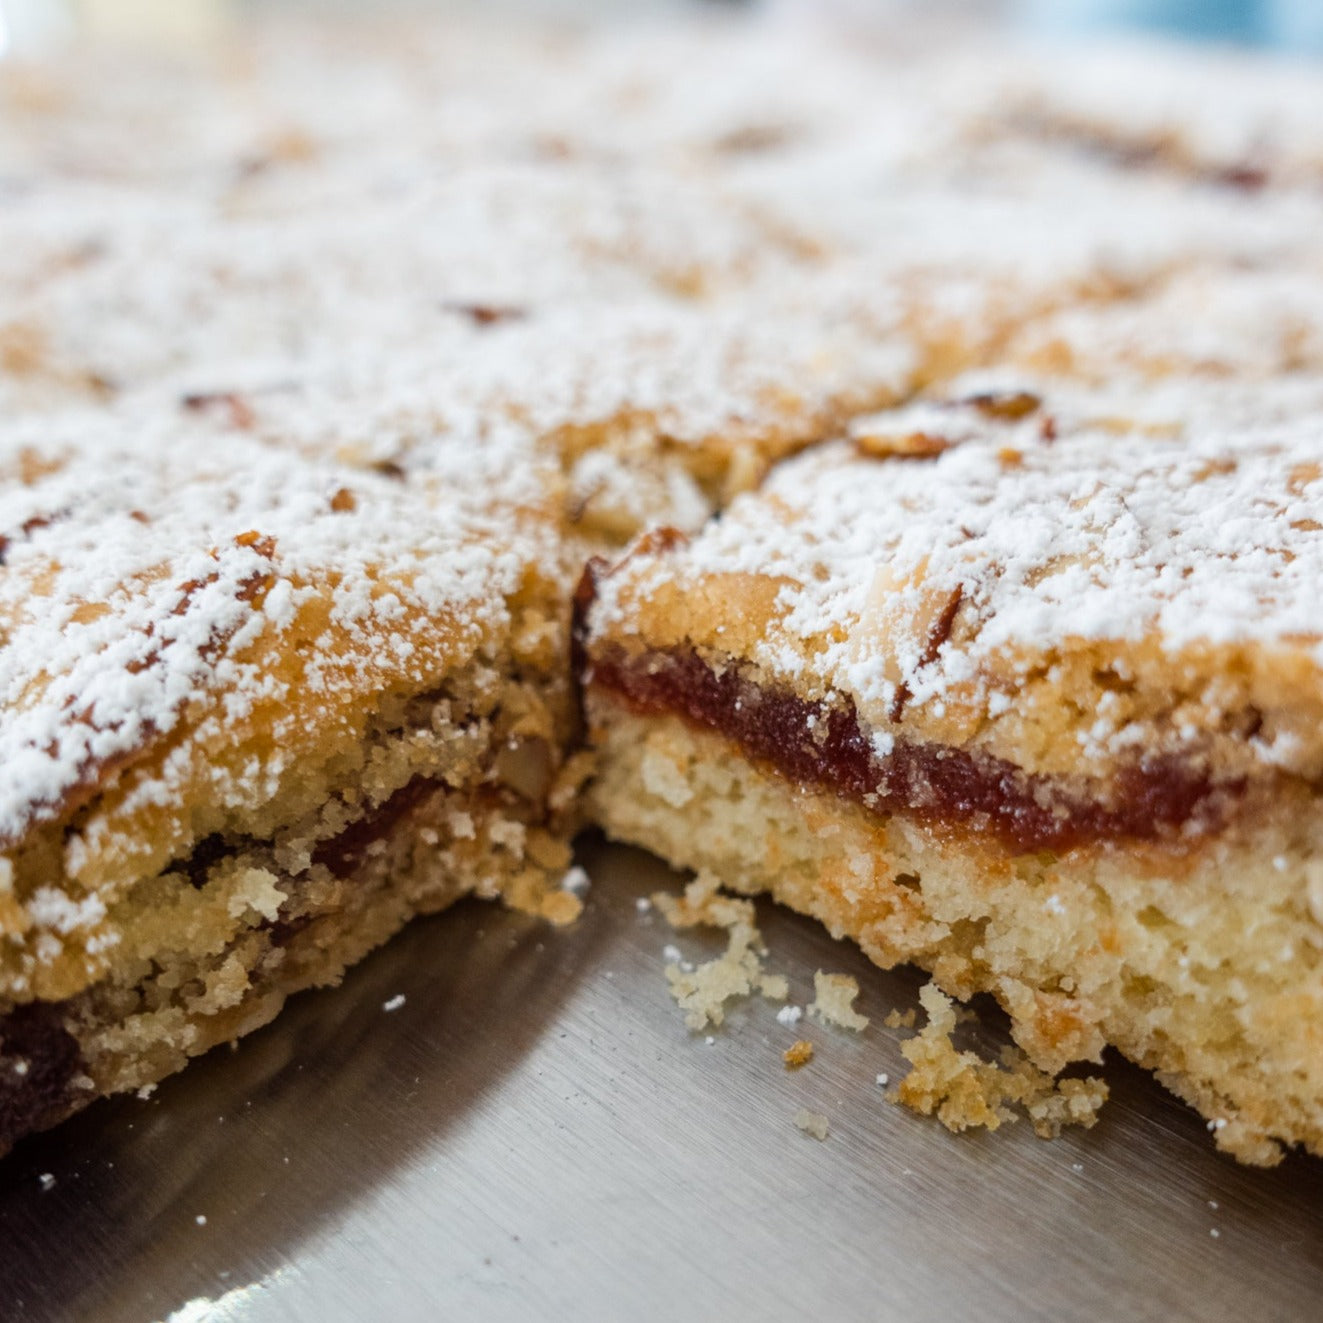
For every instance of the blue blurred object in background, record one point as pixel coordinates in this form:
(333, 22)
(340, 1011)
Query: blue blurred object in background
(1293, 24)
(1296, 23)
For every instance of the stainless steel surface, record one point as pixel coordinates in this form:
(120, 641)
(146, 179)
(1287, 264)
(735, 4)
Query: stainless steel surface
(534, 1134)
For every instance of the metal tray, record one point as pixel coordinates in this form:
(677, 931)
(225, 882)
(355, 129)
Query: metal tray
(534, 1134)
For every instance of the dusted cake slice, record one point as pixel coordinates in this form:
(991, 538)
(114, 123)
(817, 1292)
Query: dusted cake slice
(1031, 700)
(259, 710)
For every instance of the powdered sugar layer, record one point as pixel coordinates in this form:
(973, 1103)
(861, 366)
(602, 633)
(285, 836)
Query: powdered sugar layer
(421, 267)
(1178, 527)
(142, 564)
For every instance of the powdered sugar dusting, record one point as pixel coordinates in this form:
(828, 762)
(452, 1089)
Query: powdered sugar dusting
(1095, 528)
(319, 344)
(144, 565)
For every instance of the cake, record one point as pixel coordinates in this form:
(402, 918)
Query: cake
(260, 710)
(1021, 694)
(940, 434)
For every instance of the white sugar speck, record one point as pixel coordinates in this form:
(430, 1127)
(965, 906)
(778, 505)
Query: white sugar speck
(789, 1015)
(576, 881)
(394, 1003)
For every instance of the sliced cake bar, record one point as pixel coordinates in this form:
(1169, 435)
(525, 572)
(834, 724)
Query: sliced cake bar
(1025, 693)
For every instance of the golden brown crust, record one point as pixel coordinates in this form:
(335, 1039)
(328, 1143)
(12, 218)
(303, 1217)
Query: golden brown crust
(1075, 609)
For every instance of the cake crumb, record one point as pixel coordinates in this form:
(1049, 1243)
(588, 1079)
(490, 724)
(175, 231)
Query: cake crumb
(394, 1003)
(812, 1123)
(798, 1054)
(964, 1091)
(833, 1001)
(146, 1092)
(560, 908)
(703, 991)
(900, 1019)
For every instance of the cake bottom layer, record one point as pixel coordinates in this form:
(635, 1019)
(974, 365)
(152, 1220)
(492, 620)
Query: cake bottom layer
(1202, 960)
(299, 932)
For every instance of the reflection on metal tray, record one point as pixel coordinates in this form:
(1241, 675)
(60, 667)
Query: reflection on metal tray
(534, 1134)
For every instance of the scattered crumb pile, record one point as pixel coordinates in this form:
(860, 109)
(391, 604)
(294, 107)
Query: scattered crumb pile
(811, 1123)
(964, 1091)
(702, 992)
(799, 1053)
(959, 1088)
(833, 1001)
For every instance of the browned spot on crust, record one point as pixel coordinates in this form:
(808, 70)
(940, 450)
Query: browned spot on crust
(900, 445)
(228, 405)
(486, 314)
(938, 633)
(27, 528)
(261, 543)
(753, 138)
(1006, 406)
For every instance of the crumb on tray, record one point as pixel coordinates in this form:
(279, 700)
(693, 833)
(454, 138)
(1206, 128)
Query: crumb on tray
(798, 1054)
(833, 1001)
(964, 1091)
(703, 991)
(812, 1123)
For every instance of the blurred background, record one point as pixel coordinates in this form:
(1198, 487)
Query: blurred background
(27, 26)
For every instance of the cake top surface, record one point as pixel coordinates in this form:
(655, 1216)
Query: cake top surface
(160, 573)
(483, 279)
(954, 553)
(314, 197)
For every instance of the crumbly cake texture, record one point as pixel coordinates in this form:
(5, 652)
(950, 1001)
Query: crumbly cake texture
(964, 1092)
(702, 991)
(260, 710)
(1026, 691)
(327, 356)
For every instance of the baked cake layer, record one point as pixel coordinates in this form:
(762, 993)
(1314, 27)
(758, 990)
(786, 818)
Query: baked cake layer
(1023, 692)
(218, 960)
(327, 355)
(262, 707)
(1200, 960)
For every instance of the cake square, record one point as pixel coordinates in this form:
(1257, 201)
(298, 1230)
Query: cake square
(260, 709)
(1021, 691)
